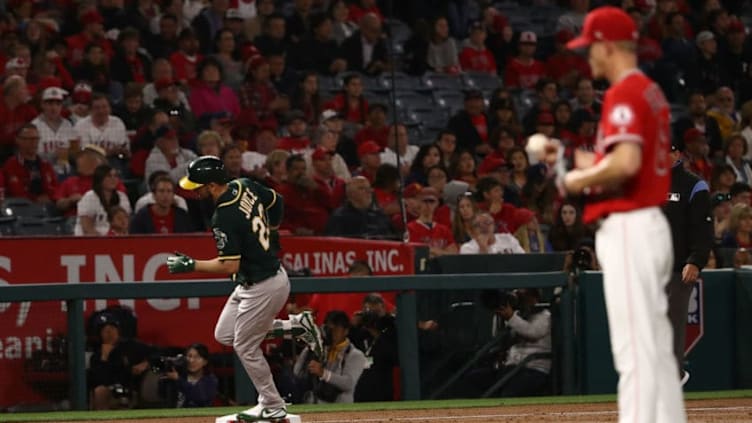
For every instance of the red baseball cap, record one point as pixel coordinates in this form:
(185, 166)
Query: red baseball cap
(605, 24)
(369, 147)
(321, 154)
(490, 164)
(412, 190)
(736, 26)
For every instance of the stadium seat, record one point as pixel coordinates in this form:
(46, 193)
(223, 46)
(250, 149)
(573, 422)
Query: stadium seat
(40, 226)
(398, 30)
(402, 81)
(7, 225)
(329, 83)
(442, 81)
(23, 208)
(480, 81)
(411, 100)
(452, 100)
(372, 83)
(430, 118)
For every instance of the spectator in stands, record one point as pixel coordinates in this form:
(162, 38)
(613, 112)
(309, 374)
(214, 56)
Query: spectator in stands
(573, 19)
(425, 230)
(209, 95)
(129, 64)
(132, 111)
(209, 22)
(342, 26)
(539, 194)
(427, 156)
(725, 112)
(508, 217)
(26, 174)
(524, 71)
(162, 75)
(253, 161)
(475, 56)
(365, 50)
(416, 48)
(462, 222)
(299, 23)
(369, 154)
(165, 41)
(119, 219)
(254, 24)
(463, 168)
(276, 167)
(322, 170)
(502, 113)
(93, 206)
(359, 217)
(486, 241)
(149, 199)
(735, 152)
(297, 140)
(162, 216)
(745, 126)
(186, 59)
(351, 104)
(519, 163)
(94, 68)
(70, 191)
(55, 131)
(544, 124)
(699, 119)
(274, 38)
(328, 140)
(739, 233)
(115, 366)
(375, 127)
(443, 54)
(195, 385)
(232, 158)
(562, 112)
(585, 97)
(332, 378)
(742, 258)
(386, 185)
(724, 176)
(471, 125)
(695, 154)
(446, 140)
(407, 153)
(531, 238)
(568, 228)
(721, 209)
(103, 129)
(741, 193)
(309, 203)
(306, 98)
(92, 34)
(437, 177)
(226, 54)
(15, 112)
(319, 51)
(709, 71)
(374, 332)
(677, 48)
(167, 155)
(735, 58)
(565, 66)
(259, 99)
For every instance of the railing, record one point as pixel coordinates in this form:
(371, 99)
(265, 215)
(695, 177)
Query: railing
(75, 294)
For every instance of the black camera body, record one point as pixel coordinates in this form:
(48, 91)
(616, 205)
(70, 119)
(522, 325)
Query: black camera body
(162, 364)
(582, 259)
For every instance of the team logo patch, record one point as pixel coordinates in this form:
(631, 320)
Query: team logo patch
(621, 115)
(220, 238)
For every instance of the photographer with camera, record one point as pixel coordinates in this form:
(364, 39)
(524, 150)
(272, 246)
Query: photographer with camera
(375, 333)
(331, 378)
(192, 383)
(527, 327)
(116, 367)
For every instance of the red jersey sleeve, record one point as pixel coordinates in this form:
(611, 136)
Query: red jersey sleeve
(624, 112)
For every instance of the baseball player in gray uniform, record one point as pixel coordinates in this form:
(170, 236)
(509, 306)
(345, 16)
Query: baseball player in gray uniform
(244, 226)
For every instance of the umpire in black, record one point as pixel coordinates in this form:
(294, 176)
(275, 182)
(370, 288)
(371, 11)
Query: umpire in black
(689, 214)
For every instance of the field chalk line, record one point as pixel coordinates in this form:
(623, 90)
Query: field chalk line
(494, 416)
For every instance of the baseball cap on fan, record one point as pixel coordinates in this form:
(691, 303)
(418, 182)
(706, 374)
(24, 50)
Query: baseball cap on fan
(605, 24)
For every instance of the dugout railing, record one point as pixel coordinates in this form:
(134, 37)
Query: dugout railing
(407, 316)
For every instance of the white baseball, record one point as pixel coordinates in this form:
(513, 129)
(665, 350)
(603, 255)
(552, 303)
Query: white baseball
(536, 147)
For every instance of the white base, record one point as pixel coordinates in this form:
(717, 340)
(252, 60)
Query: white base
(230, 418)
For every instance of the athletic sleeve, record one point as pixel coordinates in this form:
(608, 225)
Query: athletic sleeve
(624, 112)
(273, 202)
(226, 237)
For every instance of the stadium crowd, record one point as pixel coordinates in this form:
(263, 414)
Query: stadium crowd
(105, 103)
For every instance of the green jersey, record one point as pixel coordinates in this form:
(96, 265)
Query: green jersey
(245, 225)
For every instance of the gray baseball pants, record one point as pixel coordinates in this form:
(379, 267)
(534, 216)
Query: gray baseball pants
(243, 324)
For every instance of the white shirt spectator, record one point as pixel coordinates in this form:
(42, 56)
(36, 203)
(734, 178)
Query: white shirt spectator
(111, 135)
(338, 165)
(389, 156)
(89, 205)
(158, 161)
(504, 244)
(252, 160)
(535, 337)
(148, 199)
(50, 140)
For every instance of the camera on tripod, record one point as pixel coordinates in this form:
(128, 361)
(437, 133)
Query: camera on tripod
(165, 364)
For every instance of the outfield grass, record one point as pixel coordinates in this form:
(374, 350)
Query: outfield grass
(323, 408)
